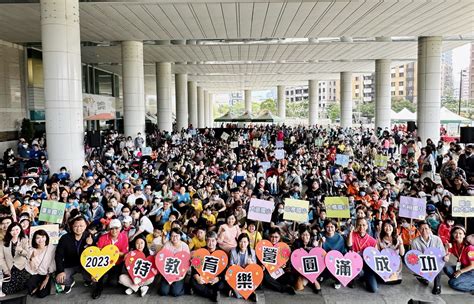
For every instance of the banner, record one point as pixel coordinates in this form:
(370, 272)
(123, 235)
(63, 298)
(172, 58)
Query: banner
(140, 268)
(173, 266)
(260, 210)
(234, 144)
(266, 166)
(225, 136)
(296, 210)
(256, 143)
(209, 265)
(463, 206)
(98, 261)
(272, 256)
(318, 142)
(244, 280)
(381, 161)
(343, 268)
(342, 160)
(52, 212)
(279, 154)
(427, 264)
(98, 107)
(337, 207)
(279, 144)
(51, 230)
(146, 151)
(309, 264)
(384, 263)
(412, 207)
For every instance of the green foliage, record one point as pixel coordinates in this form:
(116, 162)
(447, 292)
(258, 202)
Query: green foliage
(269, 105)
(298, 109)
(27, 130)
(399, 103)
(367, 109)
(334, 111)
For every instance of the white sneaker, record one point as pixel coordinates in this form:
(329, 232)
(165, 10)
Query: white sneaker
(129, 291)
(143, 290)
(337, 286)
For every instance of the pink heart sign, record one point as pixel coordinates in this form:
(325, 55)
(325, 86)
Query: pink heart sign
(173, 266)
(309, 264)
(140, 268)
(344, 268)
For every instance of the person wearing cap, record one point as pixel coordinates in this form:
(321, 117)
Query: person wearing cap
(461, 277)
(113, 237)
(428, 240)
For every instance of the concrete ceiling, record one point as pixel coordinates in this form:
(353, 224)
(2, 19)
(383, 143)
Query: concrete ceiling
(255, 53)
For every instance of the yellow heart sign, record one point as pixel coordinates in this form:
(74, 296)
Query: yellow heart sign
(98, 261)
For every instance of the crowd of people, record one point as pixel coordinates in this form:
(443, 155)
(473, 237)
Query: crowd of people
(187, 190)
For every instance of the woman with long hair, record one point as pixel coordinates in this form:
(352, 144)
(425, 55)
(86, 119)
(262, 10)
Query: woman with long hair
(242, 255)
(389, 238)
(461, 277)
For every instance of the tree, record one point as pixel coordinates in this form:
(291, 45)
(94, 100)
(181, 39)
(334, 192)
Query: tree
(398, 105)
(269, 105)
(299, 109)
(367, 109)
(334, 111)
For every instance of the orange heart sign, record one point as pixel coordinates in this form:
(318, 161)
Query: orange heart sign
(272, 257)
(209, 265)
(244, 281)
(98, 261)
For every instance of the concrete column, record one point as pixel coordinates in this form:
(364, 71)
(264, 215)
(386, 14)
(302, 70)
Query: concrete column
(281, 101)
(192, 104)
(200, 106)
(382, 94)
(346, 99)
(248, 100)
(206, 108)
(61, 45)
(313, 90)
(211, 110)
(429, 88)
(181, 85)
(163, 96)
(133, 88)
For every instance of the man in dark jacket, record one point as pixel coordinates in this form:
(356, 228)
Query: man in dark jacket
(68, 254)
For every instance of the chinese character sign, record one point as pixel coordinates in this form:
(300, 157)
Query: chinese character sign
(296, 210)
(256, 143)
(173, 266)
(52, 212)
(209, 265)
(272, 256)
(342, 160)
(381, 160)
(412, 207)
(309, 264)
(140, 268)
(427, 264)
(463, 206)
(260, 210)
(225, 136)
(385, 263)
(337, 207)
(98, 261)
(234, 144)
(279, 144)
(343, 268)
(279, 154)
(244, 281)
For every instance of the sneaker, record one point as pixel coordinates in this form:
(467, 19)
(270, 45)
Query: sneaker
(436, 290)
(337, 286)
(87, 283)
(216, 296)
(128, 291)
(253, 297)
(143, 290)
(67, 289)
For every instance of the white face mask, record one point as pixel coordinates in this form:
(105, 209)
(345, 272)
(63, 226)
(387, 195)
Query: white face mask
(439, 190)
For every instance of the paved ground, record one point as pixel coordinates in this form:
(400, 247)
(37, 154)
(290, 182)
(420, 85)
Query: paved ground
(400, 294)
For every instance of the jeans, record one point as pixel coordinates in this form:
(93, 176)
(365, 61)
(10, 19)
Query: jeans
(370, 279)
(175, 289)
(70, 272)
(465, 282)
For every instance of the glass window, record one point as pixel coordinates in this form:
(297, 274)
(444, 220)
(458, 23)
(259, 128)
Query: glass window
(104, 83)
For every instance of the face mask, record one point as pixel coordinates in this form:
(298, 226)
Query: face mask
(63, 171)
(280, 211)
(405, 225)
(362, 193)
(439, 190)
(25, 146)
(447, 203)
(470, 192)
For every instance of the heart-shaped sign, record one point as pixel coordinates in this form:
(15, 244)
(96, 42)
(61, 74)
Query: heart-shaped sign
(244, 281)
(385, 263)
(427, 264)
(344, 268)
(140, 268)
(272, 257)
(173, 266)
(309, 264)
(209, 265)
(98, 261)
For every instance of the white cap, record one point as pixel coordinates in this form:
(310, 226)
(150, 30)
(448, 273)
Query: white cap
(115, 223)
(127, 219)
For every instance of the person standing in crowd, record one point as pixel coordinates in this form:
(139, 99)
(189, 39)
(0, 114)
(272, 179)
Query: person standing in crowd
(427, 240)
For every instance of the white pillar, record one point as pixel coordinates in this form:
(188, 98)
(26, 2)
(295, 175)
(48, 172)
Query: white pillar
(346, 99)
(211, 110)
(429, 88)
(313, 90)
(181, 84)
(382, 94)
(163, 96)
(248, 101)
(61, 45)
(133, 88)
(281, 101)
(206, 108)
(192, 104)
(200, 105)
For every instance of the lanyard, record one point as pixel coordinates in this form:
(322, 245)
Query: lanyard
(458, 253)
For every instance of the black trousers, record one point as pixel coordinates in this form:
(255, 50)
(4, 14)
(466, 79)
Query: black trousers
(280, 284)
(207, 290)
(35, 282)
(112, 277)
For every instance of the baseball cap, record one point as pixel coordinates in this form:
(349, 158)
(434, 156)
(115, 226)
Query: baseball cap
(115, 223)
(127, 219)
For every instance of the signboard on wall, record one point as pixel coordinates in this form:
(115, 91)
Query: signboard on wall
(98, 107)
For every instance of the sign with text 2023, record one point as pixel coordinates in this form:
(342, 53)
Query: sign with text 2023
(463, 206)
(412, 207)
